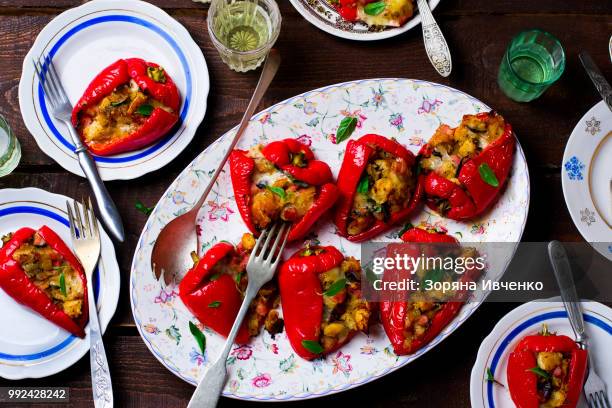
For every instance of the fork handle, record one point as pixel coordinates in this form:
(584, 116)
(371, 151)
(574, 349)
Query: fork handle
(102, 387)
(563, 273)
(210, 386)
(106, 206)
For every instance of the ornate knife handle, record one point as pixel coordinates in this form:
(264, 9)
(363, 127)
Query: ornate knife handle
(435, 44)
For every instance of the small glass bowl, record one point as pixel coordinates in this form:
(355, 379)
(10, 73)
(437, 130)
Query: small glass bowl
(231, 26)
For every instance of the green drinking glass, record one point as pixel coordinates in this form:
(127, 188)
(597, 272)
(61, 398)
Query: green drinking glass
(533, 61)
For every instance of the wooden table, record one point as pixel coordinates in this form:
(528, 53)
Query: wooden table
(477, 32)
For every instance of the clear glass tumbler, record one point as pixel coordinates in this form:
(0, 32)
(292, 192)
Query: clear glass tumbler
(243, 31)
(10, 150)
(533, 61)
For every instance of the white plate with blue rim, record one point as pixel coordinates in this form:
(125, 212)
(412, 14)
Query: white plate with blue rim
(35, 347)
(84, 40)
(586, 177)
(323, 15)
(528, 319)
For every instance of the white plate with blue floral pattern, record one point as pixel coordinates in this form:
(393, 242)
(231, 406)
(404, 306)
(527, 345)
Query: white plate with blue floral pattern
(84, 40)
(30, 345)
(267, 369)
(586, 177)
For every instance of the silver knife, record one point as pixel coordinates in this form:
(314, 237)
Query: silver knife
(602, 86)
(563, 273)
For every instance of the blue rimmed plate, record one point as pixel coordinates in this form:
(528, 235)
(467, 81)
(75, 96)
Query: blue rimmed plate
(84, 40)
(528, 319)
(33, 347)
(586, 176)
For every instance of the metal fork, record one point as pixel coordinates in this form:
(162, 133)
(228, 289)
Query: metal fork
(260, 268)
(62, 111)
(594, 387)
(86, 243)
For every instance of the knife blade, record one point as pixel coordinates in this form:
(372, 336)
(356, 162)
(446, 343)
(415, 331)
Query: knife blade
(602, 86)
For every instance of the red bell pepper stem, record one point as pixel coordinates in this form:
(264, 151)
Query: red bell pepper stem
(473, 195)
(356, 157)
(302, 296)
(214, 303)
(15, 282)
(522, 382)
(154, 127)
(315, 173)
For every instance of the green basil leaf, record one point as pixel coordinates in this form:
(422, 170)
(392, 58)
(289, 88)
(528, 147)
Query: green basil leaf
(434, 275)
(238, 278)
(335, 287)
(538, 371)
(278, 191)
(62, 283)
(487, 175)
(491, 378)
(346, 129)
(199, 337)
(214, 304)
(312, 346)
(143, 208)
(364, 185)
(214, 276)
(145, 110)
(374, 9)
(119, 103)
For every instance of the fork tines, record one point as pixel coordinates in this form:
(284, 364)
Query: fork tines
(598, 400)
(48, 77)
(80, 230)
(267, 251)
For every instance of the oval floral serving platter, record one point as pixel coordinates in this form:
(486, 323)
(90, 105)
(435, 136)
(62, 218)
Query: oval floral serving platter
(322, 15)
(267, 369)
(84, 40)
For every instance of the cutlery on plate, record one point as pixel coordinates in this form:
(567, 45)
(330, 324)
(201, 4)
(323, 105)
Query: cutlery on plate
(86, 243)
(262, 264)
(435, 44)
(594, 387)
(175, 242)
(602, 86)
(62, 110)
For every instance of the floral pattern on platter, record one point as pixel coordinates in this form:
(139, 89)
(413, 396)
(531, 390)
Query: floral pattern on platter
(574, 168)
(593, 126)
(267, 368)
(587, 216)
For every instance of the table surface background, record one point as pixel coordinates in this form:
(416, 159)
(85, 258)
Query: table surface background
(477, 32)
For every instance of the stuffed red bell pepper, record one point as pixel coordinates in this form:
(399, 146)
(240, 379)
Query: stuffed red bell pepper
(39, 271)
(321, 300)
(546, 370)
(281, 180)
(129, 105)
(378, 185)
(412, 323)
(467, 166)
(214, 288)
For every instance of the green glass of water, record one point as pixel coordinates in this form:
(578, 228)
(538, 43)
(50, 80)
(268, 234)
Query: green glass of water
(10, 150)
(533, 61)
(243, 31)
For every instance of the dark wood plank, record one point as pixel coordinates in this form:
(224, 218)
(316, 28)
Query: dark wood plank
(541, 125)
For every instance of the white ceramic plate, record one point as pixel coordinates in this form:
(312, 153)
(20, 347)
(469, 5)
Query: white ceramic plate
(267, 369)
(321, 14)
(30, 345)
(586, 177)
(84, 40)
(527, 319)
